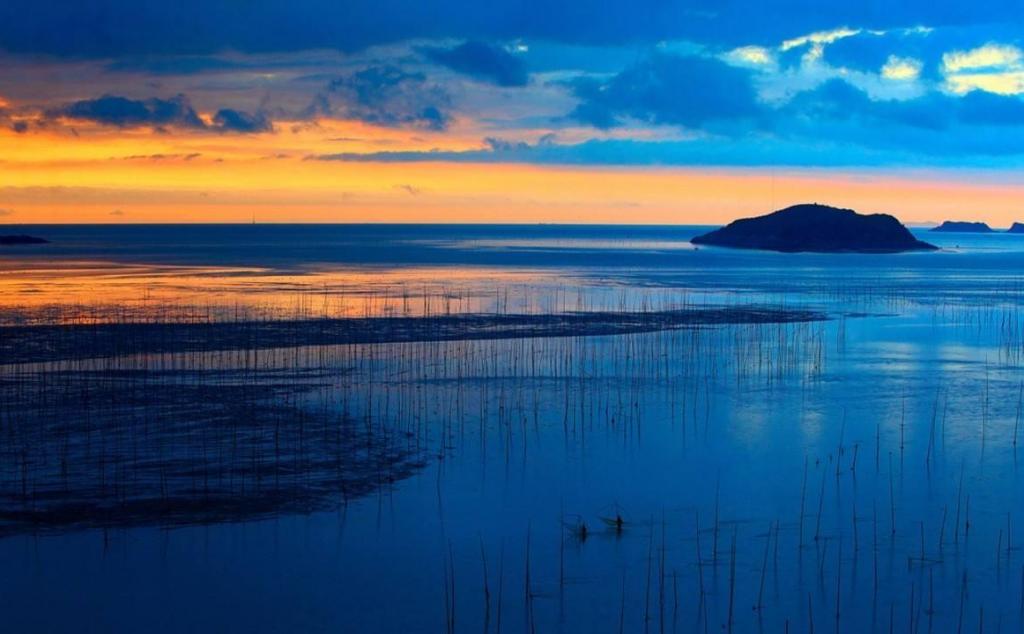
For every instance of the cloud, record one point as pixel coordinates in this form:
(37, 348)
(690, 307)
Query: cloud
(117, 212)
(857, 78)
(177, 112)
(834, 124)
(161, 157)
(184, 65)
(901, 68)
(990, 56)
(983, 108)
(386, 96)
(495, 150)
(115, 28)
(819, 38)
(6, 212)
(1003, 83)
(409, 189)
(934, 128)
(481, 61)
(994, 68)
(688, 91)
(228, 120)
(751, 56)
(122, 112)
(940, 51)
(837, 100)
(751, 151)
(842, 147)
(866, 51)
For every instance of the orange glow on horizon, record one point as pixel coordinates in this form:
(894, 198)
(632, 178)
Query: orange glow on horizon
(111, 175)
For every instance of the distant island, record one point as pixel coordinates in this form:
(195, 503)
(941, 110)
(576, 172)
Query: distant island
(953, 226)
(818, 229)
(1016, 227)
(21, 239)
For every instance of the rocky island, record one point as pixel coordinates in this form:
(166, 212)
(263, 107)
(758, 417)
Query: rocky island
(21, 239)
(954, 226)
(1016, 227)
(819, 229)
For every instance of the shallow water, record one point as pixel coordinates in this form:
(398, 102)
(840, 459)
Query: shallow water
(864, 467)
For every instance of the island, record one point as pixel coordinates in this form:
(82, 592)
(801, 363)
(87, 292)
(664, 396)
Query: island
(21, 239)
(818, 229)
(954, 226)
(1016, 227)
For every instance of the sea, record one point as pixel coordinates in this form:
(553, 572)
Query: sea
(857, 471)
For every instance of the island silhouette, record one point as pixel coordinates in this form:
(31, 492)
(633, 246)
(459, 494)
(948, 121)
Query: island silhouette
(819, 229)
(957, 226)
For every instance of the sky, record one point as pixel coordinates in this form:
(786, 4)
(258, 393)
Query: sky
(508, 111)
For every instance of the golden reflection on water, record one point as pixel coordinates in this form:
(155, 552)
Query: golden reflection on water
(33, 292)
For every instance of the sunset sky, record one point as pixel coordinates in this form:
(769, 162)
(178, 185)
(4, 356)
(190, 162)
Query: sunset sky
(507, 111)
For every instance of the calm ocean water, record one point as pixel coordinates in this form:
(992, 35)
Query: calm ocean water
(529, 245)
(240, 264)
(860, 473)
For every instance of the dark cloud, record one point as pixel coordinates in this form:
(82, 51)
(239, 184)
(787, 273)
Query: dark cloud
(113, 28)
(692, 92)
(668, 89)
(498, 145)
(986, 108)
(176, 112)
(386, 96)
(481, 61)
(835, 124)
(200, 64)
(125, 113)
(228, 120)
(932, 126)
(837, 100)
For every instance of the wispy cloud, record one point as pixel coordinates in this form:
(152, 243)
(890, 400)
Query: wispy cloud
(387, 96)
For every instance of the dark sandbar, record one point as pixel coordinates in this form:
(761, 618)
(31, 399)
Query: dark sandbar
(22, 344)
